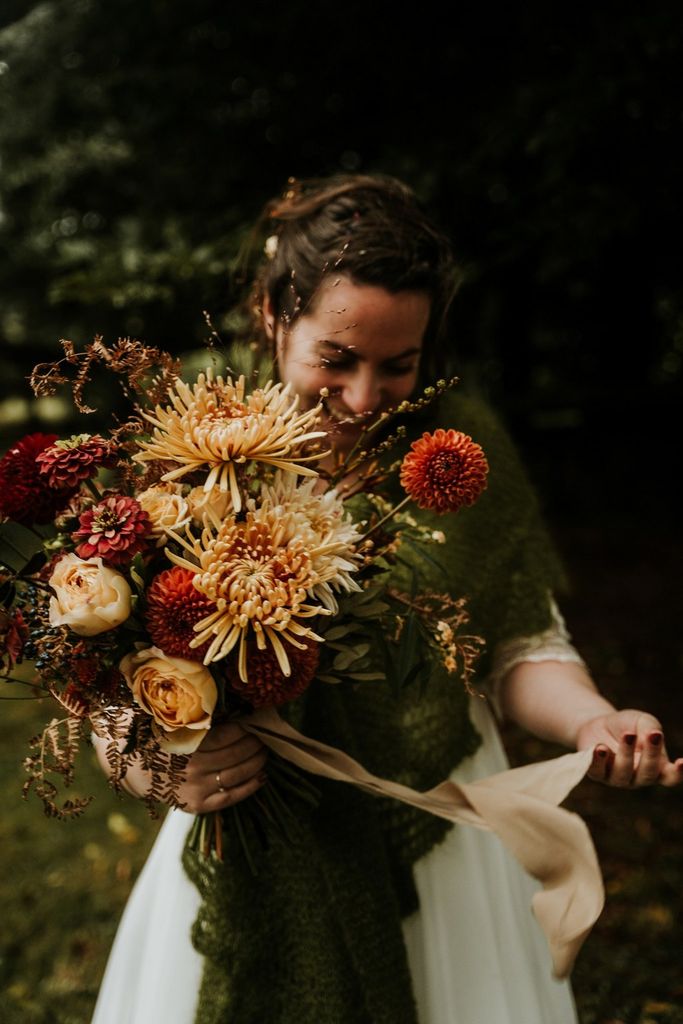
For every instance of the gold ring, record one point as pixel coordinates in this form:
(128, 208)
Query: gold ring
(221, 787)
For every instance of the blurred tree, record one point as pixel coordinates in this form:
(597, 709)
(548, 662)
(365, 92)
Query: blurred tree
(138, 142)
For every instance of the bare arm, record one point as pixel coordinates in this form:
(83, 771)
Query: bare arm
(559, 702)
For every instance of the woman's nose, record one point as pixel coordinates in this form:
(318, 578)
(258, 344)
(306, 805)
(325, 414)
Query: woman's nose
(361, 394)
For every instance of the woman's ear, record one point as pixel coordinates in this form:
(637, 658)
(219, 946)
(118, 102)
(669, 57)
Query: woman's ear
(268, 317)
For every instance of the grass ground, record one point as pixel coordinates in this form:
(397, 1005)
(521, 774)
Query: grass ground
(64, 884)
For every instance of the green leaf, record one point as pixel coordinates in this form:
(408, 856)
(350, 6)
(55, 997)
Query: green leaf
(419, 548)
(7, 593)
(363, 676)
(339, 631)
(411, 674)
(34, 564)
(374, 609)
(346, 658)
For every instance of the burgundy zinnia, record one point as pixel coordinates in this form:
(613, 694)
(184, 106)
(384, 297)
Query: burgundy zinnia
(174, 605)
(267, 684)
(66, 463)
(25, 496)
(115, 529)
(444, 471)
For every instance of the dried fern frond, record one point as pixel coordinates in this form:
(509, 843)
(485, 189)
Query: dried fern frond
(142, 368)
(54, 753)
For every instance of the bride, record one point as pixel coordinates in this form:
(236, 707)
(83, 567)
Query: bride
(384, 914)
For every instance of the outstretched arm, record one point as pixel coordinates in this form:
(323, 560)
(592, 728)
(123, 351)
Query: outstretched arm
(559, 702)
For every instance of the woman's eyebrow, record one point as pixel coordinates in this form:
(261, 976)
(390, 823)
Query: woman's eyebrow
(351, 350)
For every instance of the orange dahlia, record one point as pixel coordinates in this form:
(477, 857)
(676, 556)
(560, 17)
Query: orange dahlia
(444, 471)
(174, 606)
(267, 684)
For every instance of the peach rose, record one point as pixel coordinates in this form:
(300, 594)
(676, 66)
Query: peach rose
(90, 598)
(166, 507)
(200, 501)
(180, 695)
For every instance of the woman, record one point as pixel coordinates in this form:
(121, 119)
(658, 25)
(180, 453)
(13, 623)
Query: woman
(383, 913)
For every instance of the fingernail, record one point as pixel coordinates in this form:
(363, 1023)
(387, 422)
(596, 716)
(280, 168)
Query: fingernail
(601, 752)
(630, 738)
(655, 738)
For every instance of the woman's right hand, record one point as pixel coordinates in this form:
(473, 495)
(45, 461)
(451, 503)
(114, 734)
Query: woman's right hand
(226, 768)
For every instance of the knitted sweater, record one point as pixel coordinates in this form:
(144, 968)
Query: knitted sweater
(316, 936)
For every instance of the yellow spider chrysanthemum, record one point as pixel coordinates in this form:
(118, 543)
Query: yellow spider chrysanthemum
(270, 571)
(216, 424)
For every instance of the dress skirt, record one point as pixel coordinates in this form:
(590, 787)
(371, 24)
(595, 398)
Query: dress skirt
(475, 952)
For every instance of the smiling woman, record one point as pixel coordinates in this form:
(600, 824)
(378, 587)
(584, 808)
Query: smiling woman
(382, 915)
(358, 341)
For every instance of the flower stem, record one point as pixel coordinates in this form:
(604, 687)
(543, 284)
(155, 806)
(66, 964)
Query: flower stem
(392, 512)
(92, 487)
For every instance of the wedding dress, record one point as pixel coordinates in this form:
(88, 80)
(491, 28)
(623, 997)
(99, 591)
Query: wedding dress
(475, 952)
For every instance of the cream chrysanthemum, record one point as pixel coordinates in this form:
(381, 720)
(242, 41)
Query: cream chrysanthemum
(216, 424)
(270, 571)
(328, 531)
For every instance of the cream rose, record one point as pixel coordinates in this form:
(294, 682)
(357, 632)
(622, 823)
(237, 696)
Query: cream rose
(89, 597)
(200, 501)
(179, 694)
(166, 507)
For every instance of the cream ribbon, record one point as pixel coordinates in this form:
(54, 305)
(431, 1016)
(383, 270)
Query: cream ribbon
(519, 805)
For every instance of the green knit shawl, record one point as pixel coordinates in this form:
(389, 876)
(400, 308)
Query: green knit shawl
(316, 936)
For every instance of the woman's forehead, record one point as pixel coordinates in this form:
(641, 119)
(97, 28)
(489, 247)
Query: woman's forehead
(348, 314)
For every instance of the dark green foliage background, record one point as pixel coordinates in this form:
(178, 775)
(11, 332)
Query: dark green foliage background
(138, 142)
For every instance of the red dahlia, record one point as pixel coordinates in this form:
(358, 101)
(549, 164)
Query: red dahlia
(25, 495)
(66, 463)
(115, 529)
(174, 605)
(267, 684)
(444, 471)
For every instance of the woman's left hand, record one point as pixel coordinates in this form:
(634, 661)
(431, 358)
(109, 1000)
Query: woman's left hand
(629, 750)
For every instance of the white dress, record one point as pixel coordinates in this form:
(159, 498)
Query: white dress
(475, 952)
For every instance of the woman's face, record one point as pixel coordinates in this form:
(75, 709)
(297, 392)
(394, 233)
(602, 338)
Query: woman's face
(363, 344)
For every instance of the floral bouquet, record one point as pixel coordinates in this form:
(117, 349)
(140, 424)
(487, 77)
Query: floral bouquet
(192, 565)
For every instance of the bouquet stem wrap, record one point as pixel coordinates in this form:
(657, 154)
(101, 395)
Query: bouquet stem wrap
(519, 805)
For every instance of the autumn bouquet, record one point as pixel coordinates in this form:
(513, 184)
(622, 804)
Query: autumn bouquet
(192, 563)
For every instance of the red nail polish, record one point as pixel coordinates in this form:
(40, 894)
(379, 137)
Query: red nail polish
(601, 753)
(630, 738)
(655, 738)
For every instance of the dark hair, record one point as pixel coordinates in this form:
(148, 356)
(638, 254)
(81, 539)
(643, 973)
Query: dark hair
(370, 227)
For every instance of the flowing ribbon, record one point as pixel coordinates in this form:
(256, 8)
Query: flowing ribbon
(520, 806)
